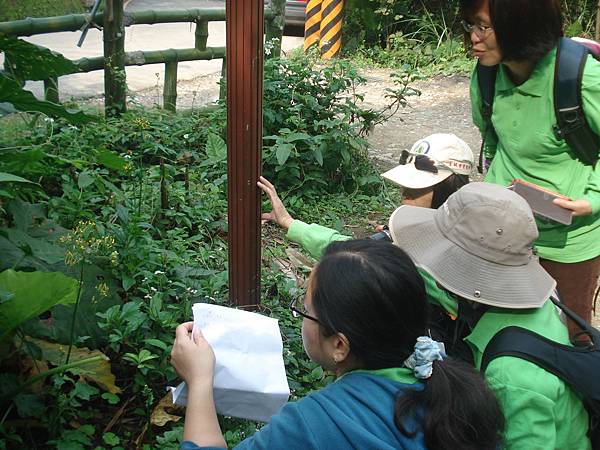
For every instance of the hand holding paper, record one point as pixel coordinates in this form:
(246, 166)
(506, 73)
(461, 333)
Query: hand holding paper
(192, 356)
(249, 374)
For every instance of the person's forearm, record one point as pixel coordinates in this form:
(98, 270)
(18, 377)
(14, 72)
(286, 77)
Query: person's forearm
(201, 423)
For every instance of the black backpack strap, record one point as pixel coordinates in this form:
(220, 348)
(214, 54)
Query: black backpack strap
(569, 363)
(585, 327)
(571, 123)
(486, 79)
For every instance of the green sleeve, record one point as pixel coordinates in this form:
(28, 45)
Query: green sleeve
(530, 422)
(437, 295)
(491, 141)
(314, 238)
(590, 93)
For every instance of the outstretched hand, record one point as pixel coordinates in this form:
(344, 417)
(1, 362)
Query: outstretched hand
(279, 214)
(579, 207)
(192, 356)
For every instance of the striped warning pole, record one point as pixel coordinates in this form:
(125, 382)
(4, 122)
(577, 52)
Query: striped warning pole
(312, 25)
(330, 39)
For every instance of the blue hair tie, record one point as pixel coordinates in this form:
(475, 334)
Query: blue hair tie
(426, 351)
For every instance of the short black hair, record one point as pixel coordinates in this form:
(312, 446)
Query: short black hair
(446, 188)
(526, 30)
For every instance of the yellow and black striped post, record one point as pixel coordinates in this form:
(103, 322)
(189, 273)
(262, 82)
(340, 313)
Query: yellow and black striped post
(312, 25)
(330, 38)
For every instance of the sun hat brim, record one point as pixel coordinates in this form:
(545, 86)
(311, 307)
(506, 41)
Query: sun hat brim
(409, 176)
(471, 277)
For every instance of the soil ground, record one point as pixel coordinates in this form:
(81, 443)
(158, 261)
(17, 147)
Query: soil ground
(443, 106)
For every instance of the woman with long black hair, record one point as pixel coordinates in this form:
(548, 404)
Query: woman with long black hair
(365, 319)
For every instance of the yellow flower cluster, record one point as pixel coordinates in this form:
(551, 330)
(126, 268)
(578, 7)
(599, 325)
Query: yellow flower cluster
(142, 123)
(85, 242)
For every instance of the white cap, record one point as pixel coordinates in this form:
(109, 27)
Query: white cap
(449, 153)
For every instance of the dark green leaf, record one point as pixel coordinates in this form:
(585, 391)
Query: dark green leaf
(84, 391)
(110, 439)
(156, 343)
(283, 153)
(34, 293)
(110, 398)
(11, 92)
(10, 178)
(29, 405)
(293, 137)
(318, 155)
(32, 62)
(84, 180)
(111, 160)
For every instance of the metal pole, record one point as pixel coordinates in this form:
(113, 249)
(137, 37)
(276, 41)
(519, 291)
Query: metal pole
(244, 142)
(115, 86)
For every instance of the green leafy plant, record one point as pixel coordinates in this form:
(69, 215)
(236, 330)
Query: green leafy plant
(25, 61)
(25, 295)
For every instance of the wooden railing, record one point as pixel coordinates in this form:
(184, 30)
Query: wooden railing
(169, 57)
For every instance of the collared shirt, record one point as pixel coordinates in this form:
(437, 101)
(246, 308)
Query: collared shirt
(527, 148)
(541, 411)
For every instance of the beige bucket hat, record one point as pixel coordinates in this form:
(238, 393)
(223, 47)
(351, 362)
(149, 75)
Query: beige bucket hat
(478, 245)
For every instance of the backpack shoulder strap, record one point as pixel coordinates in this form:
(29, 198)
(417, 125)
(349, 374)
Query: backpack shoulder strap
(486, 80)
(577, 366)
(571, 123)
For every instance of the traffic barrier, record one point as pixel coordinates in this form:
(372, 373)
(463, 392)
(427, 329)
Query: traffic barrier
(330, 37)
(312, 25)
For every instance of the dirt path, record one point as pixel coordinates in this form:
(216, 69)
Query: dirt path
(442, 107)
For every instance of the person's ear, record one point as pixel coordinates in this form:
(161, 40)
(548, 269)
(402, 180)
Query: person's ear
(340, 347)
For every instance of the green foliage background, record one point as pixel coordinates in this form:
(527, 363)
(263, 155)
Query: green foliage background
(20, 9)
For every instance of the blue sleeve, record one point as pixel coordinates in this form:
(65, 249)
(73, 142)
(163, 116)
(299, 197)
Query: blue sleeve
(288, 429)
(189, 445)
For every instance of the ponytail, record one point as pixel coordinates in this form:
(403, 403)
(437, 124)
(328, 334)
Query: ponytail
(457, 409)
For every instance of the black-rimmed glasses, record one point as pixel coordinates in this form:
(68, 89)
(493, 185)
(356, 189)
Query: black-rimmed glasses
(297, 308)
(481, 31)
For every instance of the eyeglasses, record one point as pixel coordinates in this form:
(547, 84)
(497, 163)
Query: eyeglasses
(481, 31)
(297, 308)
(421, 162)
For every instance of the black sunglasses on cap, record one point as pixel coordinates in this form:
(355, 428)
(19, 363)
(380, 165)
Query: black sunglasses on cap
(421, 162)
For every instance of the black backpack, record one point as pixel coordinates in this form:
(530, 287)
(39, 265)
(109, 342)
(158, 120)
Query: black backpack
(571, 124)
(577, 366)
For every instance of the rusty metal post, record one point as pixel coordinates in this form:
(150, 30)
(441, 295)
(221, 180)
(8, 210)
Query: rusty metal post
(244, 142)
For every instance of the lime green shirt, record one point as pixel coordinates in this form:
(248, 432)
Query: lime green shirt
(527, 148)
(541, 411)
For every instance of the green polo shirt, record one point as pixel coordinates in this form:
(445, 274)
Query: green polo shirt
(541, 411)
(528, 149)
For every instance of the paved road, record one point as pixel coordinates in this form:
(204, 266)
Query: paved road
(139, 37)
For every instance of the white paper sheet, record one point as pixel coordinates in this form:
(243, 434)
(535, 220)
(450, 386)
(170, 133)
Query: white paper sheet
(250, 380)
